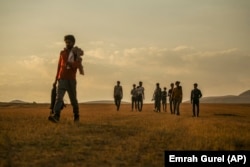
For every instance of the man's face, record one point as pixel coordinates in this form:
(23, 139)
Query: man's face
(69, 44)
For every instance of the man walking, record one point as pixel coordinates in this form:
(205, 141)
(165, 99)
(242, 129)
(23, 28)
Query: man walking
(66, 78)
(195, 100)
(141, 96)
(133, 93)
(177, 97)
(157, 98)
(118, 94)
(164, 99)
(171, 101)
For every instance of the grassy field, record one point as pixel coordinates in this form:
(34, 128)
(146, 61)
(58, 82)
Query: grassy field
(105, 137)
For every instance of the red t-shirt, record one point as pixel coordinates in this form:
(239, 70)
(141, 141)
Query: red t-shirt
(66, 70)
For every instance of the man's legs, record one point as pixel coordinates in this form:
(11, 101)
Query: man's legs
(198, 108)
(140, 103)
(71, 89)
(133, 103)
(164, 106)
(117, 102)
(159, 105)
(177, 106)
(194, 109)
(171, 103)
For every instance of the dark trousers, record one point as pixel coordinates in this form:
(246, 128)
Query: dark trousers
(117, 102)
(196, 105)
(164, 104)
(158, 104)
(134, 103)
(70, 87)
(171, 105)
(177, 103)
(140, 103)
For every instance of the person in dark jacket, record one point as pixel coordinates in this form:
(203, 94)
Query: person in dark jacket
(177, 97)
(164, 99)
(171, 101)
(157, 98)
(118, 94)
(195, 100)
(133, 93)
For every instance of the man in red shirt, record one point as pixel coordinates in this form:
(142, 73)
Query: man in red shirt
(66, 78)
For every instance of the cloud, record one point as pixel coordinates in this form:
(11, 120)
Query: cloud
(216, 71)
(182, 47)
(184, 63)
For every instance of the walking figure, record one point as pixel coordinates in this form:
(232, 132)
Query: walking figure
(164, 99)
(69, 61)
(171, 100)
(118, 94)
(133, 93)
(140, 96)
(157, 98)
(177, 97)
(195, 100)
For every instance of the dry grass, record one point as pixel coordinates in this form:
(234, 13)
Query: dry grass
(105, 137)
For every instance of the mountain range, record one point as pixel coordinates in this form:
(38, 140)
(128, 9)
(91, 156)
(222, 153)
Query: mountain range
(241, 98)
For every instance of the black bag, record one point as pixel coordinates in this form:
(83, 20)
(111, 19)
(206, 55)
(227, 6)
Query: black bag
(53, 100)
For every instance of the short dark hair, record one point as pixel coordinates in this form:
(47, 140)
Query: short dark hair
(70, 37)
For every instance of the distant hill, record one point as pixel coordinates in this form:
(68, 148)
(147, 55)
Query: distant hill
(246, 93)
(103, 102)
(241, 98)
(18, 101)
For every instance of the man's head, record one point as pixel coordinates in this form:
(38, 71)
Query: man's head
(172, 85)
(118, 82)
(69, 41)
(195, 85)
(140, 83)
(177, 83)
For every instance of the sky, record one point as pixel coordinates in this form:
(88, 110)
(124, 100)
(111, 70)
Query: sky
(152, 41)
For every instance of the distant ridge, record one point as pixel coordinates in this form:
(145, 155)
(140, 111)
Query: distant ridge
(243, 98)
(103, 102)
(246, 93)
(18, 101)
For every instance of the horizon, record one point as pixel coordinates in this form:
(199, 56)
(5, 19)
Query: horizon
(150, 41)
(109, 101)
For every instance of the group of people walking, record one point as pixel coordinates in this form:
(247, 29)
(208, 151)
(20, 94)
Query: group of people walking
(174, 94)
(137, 96)
(70, 62)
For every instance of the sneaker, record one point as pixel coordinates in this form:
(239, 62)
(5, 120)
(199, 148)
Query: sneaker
(53, 119)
